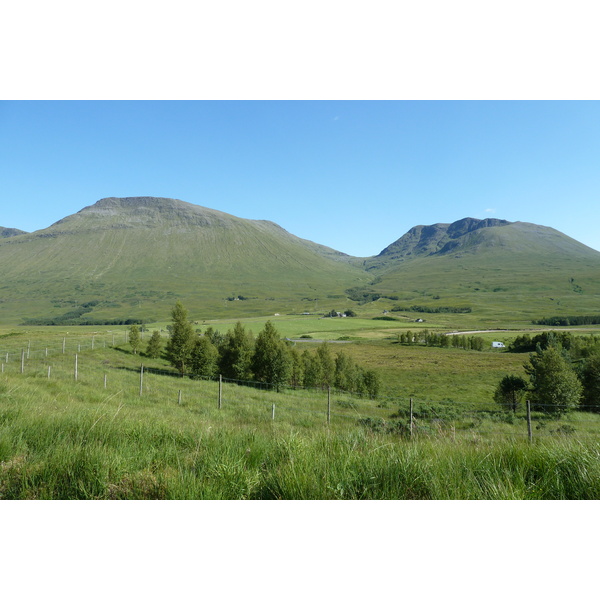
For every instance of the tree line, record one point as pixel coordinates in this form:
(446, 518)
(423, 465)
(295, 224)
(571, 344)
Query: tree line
(266, 358)
(567, 321)
(432, 309)
(563, 375)
(441, 340)
(576, 345)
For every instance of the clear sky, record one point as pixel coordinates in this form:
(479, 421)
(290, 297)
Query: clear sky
(353, 175)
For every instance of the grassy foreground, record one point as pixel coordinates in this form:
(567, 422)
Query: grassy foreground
(67, 439)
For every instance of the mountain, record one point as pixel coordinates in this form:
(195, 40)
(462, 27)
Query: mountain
(10, 232)
(132, 257)
(493, 266)
(475, 235)
(124, 258)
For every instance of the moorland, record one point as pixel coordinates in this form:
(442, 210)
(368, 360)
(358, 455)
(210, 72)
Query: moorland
(88, 412)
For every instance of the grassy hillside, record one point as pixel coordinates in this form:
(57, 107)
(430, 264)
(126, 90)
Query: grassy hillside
(136, 256)
(507, 273)
(6, 232)
(131, 258)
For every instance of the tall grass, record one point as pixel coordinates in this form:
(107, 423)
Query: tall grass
(72, 441)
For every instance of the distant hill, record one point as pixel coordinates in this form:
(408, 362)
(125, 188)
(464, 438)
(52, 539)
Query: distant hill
(475, 235)
(134, 256)
(10, 232)
(494, 266)
(126, 258)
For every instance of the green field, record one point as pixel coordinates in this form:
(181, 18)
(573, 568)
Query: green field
(112, 434)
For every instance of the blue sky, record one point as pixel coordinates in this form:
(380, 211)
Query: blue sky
(353, 175)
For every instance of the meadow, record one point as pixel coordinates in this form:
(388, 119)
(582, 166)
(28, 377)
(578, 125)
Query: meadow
(108, 431)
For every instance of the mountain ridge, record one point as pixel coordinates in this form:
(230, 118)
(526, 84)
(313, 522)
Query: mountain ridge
(135, 255)
(6, 232)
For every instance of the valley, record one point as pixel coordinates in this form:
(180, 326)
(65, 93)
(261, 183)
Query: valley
(85, 415)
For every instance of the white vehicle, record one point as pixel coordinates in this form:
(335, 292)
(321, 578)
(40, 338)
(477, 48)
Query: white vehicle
(497, 345)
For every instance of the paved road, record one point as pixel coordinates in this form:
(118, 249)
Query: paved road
(320, 341)
(520, 330)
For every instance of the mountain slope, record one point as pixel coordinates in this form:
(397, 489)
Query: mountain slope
(10, 232)
(138, 254)
(133, 257)
(495, 267)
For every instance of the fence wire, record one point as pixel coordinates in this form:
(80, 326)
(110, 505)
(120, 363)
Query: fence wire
(393, 414)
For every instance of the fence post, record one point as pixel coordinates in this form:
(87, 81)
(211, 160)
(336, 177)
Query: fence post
(22, 360)
(64, 343)
(141, 379)
(104, 380)
(328, 405)
(76, 367)
(48, 371)
(28, 348)
(273, 412)
(529, 430)
(179, 398)
(220, 389)
(3, 367)
(411, 417)
(46, 352)
(93, 341)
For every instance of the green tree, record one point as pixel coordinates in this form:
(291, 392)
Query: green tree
(204, 358)
(215, 336)
(296, 377)
(134, 338)
(554, 384)
(181, 340)
(372, 383)
(590, 379)
(154, 347)
(270, 360)
(236, 353)
(327, 364)
(509, 392)
(345, 372)
(313, 370)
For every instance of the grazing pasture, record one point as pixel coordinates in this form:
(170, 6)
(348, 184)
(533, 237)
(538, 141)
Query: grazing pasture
(108, 431)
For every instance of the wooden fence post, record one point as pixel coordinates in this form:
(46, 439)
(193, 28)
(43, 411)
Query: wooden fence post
(141, 379)
(22, 360)
(529, 430)
(179, 398)
(328, 405)
(220, 389)
(28, 348)
(48, 371)
(273, 412)
(76, 367)
(411, 417)
(64, 343)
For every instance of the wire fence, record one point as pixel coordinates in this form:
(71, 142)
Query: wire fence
(398, 415)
